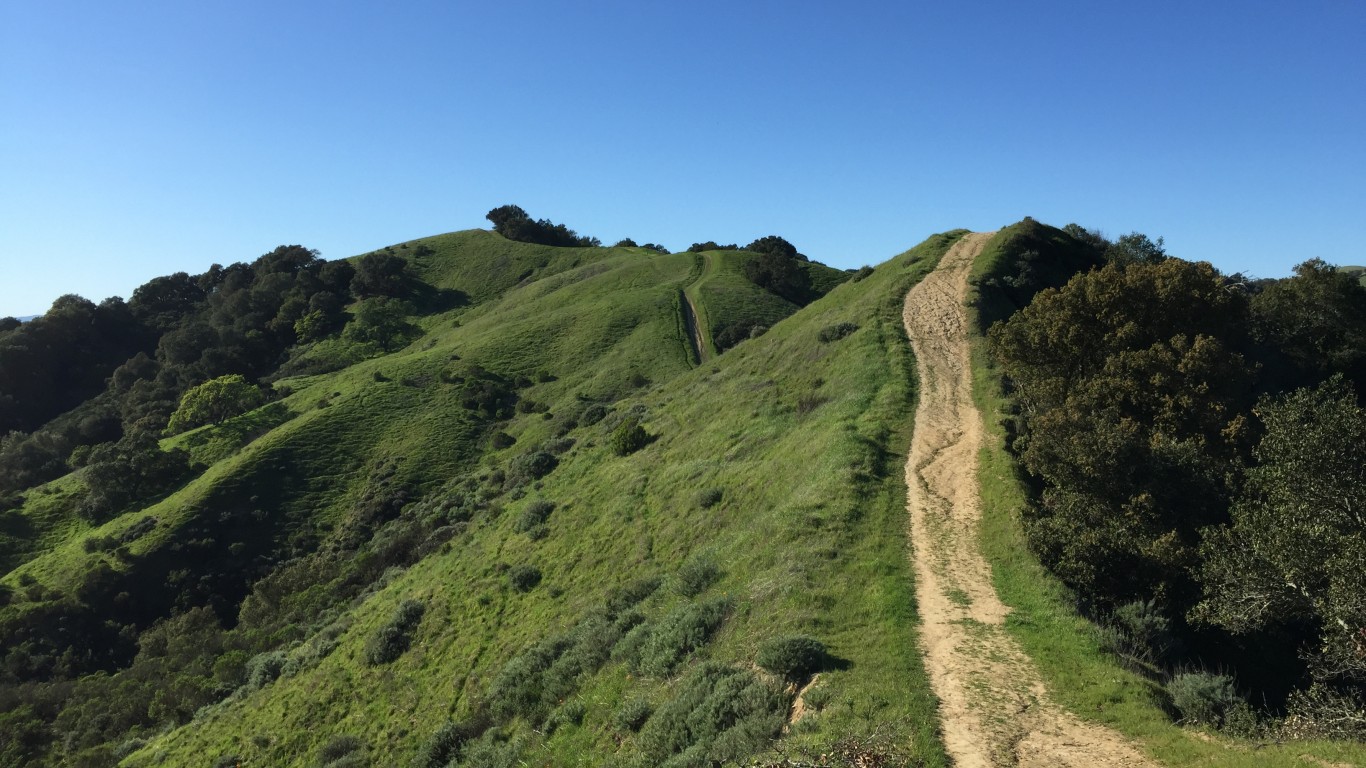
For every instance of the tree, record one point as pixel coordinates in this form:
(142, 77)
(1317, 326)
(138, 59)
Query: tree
(779, 274)
(1292, 555)
(512, 222)
(213, 402)
(777, 246)
(1317, 319)
(382, 321)
(381, 274)
(1136, 248)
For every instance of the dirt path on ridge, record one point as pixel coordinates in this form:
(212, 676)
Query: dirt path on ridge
(699, 345)
(993, 704)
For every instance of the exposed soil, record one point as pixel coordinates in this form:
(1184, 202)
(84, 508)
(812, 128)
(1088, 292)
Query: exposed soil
(694, 328)
(993, 704)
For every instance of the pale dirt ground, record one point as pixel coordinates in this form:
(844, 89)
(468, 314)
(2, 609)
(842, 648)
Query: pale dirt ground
(993, 704)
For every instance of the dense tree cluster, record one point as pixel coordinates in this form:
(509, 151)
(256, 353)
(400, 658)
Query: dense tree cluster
(1196, 445)
(778, 268)
(512, 222)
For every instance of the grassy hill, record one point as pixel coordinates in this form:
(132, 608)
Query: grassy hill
(571, 603)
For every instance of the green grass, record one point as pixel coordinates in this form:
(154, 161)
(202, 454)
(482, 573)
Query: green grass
(805, 439)
(1064, 645)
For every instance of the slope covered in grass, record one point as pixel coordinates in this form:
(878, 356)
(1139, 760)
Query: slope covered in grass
(767, 503)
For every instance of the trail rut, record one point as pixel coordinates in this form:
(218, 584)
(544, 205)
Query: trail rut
(994, 706)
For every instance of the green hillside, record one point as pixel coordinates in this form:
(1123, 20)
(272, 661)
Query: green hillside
(474, 471)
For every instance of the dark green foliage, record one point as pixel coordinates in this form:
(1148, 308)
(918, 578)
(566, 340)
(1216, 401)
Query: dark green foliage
(631, 716)
(792, 658)
(381, 274)
(861, 273)
(656, 247)
(695, 575)
(338, 749)
(501, 440)
(1292, 554)
(524, 578)
(620, 599)
(512, 222)
(1140, 633)
(836, 332)
(228, 761)
(384, 322)
(779, 274)
(1135, 248)
(711, 245)
(776, 246)
(492, 395)
(1202, 698)
(593, 414)
(446, 745)
(1317, 322)
(675, 637)
(709, 497)
(133, 469)
(213, 402)
(391, 640)
(263, 669)
(534, 515)
(533, 465)
(629, 437)
(569, 713)
(625, 242)
(718, 714)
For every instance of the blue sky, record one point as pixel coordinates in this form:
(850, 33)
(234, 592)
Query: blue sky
(143, 138)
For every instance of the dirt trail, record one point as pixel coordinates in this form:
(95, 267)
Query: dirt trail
(995, 708)
(699, 345)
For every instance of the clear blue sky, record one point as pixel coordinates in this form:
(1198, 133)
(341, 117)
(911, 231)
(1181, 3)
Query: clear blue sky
(142, 138)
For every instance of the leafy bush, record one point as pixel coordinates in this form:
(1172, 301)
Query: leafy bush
(792, 658)
(391, 640)
(568, 713)
(709, 497)
(593, 414)
(678, 635)
(836, 332)
(524, 578)
(535, 514)
(264, 668)
(337, 749)
(719, 714)
(534, 465)
(501, 440)
(631, 716)
(1202, 698)
(862, 272)
(629, 437)
(695, 575)
(446, 745)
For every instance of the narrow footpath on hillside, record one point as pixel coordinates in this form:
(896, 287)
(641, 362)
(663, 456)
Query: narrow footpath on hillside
(690, 315)
(995, 708)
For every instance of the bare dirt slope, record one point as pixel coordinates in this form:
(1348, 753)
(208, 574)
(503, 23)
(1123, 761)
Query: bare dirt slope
(995, 709)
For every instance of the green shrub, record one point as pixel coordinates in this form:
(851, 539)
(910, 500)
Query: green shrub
(678, 635)
(709, 497)
(792, 658)
(524, 578)
(719, 714)
(621, 598)
(629, 437)
(836, 332)
(445, 746)
(863, 271)
(337, 749)
(695, 575)
(501, 440)
(568, 713)
(534, 515)
(264, 668)
(593, 414)
(391, 640)
(1202, 698)
(631, 716)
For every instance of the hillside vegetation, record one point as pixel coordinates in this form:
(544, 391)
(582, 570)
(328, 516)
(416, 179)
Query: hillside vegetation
(510, 519)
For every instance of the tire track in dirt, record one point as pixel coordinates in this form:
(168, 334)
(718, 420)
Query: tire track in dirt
(994, 707)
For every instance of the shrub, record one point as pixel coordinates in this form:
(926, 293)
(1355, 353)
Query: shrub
(629, 437)
(227, 761)
(1202, 698)
(535, 514)
(502, 440)
(709, 497)
(593, 414)
(792, 658)
(695, 575)
(836, 332)
(678, 635)
(264, 668)
(450, 739)
(632, 715)
(568, 713)
(862, 272)
(524, 578)
(620, 599)
(338, 748)
(719, 714)
(391, 640)
(535, 465)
